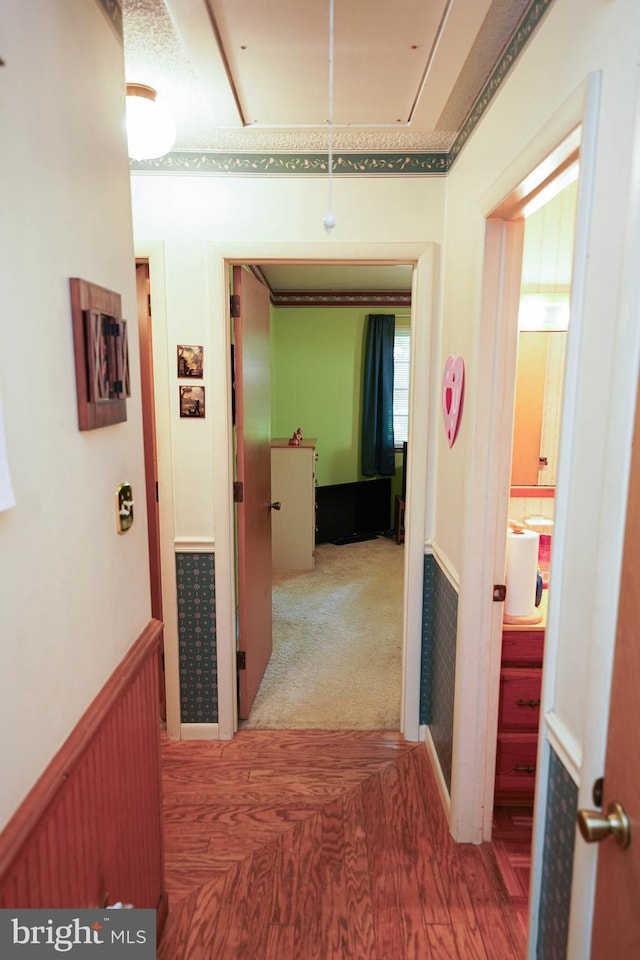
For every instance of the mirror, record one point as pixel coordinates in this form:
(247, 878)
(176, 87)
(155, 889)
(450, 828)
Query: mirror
(543, 320)
(536, 427)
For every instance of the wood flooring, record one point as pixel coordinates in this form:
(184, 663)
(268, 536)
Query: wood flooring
(314, 845)
(511, 841)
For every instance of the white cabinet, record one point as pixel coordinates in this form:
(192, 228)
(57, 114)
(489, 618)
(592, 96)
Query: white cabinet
(293, 484)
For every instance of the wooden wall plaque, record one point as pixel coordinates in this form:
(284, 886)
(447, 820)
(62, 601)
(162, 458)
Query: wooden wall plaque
(101, 355)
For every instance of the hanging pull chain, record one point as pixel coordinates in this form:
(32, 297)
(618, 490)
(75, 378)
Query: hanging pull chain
(329, 219)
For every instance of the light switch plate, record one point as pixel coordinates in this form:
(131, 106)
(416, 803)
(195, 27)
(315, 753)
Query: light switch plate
(124, 507)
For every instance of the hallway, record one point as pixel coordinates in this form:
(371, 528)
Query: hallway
(319, 845)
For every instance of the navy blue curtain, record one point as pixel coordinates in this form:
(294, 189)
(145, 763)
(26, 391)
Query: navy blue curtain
(378, 454)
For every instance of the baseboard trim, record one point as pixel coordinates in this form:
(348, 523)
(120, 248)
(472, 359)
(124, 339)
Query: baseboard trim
(437, 769)
(199, 731)
(162, 912)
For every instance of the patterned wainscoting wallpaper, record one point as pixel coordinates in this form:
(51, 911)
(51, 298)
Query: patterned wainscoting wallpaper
(195, 581)
(427, 645)
(437, 679)
(557, 863)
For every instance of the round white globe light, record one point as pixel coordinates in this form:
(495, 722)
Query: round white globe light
(150, 130)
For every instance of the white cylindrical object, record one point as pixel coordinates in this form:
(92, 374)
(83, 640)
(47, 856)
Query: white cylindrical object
(521, 572)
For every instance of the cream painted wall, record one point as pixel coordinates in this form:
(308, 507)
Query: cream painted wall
(181, 223)
(73, 594)
(280, 210)
(188, 321)
(533, 111)
(176, 218)
(515, 129)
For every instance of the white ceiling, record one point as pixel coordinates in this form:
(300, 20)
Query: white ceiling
(253, 75)
(287, 278)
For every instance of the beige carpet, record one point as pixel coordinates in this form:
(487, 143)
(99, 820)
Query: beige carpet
(337, 642)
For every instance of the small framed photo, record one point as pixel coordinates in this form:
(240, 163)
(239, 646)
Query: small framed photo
(190, 361)
(192, 401)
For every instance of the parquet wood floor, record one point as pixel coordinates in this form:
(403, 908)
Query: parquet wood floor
(512, 833)
(312, 845)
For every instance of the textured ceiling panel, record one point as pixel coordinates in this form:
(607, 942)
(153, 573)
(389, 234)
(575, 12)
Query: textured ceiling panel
(288, 277)
(279, 58)
(154, 55)
(493, 36)
(252, 75)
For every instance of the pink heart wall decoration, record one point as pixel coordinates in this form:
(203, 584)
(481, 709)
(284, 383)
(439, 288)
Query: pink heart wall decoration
(452, 396)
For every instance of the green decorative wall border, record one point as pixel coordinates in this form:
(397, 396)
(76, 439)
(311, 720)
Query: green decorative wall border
(113, 11)
(289, 298)
(350, 164)
(286, 164)
(516, 45)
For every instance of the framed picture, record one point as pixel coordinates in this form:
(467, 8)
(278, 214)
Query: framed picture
(190, 361)
(191, 401)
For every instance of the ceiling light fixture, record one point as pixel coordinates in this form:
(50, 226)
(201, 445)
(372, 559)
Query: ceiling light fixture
(150, 130)
(329, 219)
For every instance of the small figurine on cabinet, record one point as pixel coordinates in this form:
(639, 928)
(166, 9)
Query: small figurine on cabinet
(296, 439)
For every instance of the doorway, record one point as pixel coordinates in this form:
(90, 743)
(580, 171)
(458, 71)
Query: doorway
(145, 337)
(543, 321)
(197, 511)
(318, 316)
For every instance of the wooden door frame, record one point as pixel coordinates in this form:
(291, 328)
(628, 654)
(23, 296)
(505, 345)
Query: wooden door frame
(252, 463)
(479, 618)
(618, 452)
(422, 397)
(150, 458)
(582, 759)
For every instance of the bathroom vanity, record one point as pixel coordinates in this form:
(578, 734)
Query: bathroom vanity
(519, 710)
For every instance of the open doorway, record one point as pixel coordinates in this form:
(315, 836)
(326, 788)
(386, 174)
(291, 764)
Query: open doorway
(543, 323)
(330, 594)
(145, 336)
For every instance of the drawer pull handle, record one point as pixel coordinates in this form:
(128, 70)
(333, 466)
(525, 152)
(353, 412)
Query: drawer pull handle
(528, 703)
(521, 768)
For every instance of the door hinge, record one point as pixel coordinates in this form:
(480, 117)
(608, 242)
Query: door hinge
(238, 491)
(241, 657)
(235, 305)
(157, 493)
(499, 592)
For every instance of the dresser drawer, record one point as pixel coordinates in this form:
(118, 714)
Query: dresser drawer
(522, 647)
(519, 708)
(516, 766)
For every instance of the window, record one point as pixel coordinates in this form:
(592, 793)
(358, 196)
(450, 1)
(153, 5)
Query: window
(401, 356)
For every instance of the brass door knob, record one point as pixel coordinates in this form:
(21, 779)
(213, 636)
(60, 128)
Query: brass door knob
(595, 826)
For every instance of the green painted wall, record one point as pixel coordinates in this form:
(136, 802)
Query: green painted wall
(316, 383)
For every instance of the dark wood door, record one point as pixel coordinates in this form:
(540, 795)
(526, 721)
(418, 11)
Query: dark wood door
(150, 457)
(253, 472)
(616, 922)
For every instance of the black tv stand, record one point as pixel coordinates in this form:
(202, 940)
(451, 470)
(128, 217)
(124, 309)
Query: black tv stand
(353, 511)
